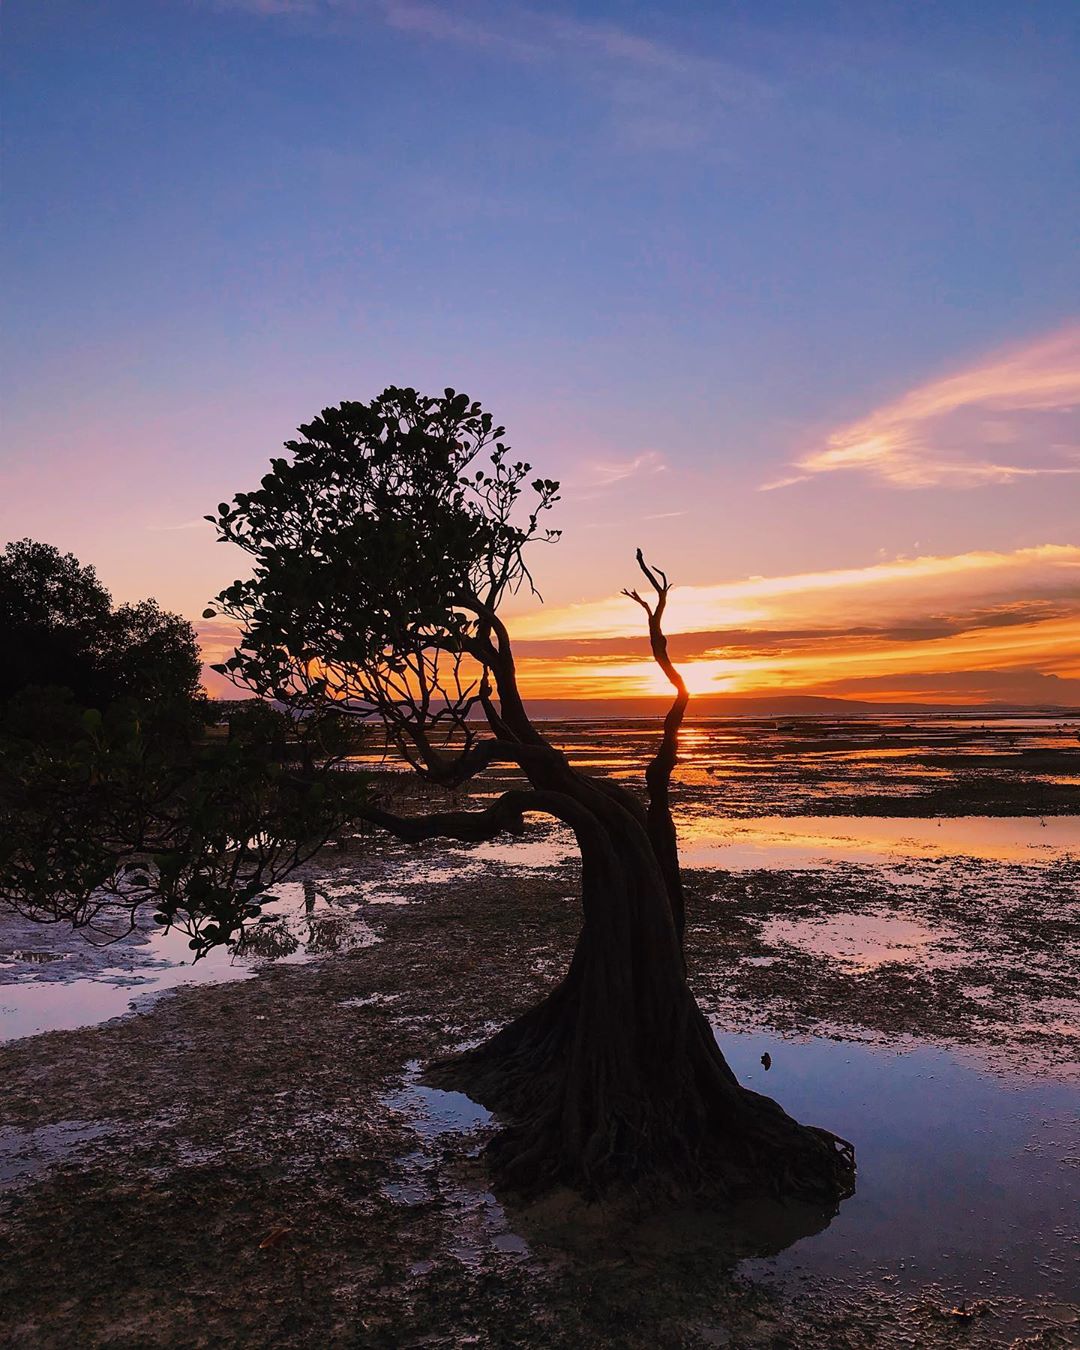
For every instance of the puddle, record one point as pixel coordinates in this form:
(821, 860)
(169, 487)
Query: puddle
(781, 842)
(25, 1154)
(431, 1111)
(966, 1180)
(83, 985)
(478, 1223)
(775, 843)
(865, 941)
(369, 1001)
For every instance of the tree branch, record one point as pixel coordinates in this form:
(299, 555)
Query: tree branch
(482, 754)
(658, 774)
(498, 656)
(507, 814)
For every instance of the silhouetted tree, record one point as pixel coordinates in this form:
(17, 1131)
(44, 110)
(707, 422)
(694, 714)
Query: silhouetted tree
(60, 629)
(104, 816)
(381, 550)
(112, 798)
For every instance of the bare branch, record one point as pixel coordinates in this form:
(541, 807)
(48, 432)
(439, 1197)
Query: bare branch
(658, 774)
(633, 595)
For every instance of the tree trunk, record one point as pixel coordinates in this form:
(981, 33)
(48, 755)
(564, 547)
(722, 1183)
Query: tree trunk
(616, 1076)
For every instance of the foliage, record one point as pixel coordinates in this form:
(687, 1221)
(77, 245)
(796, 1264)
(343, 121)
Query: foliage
(151, 654)
(381, 551)
(61, 629)
(107, 814)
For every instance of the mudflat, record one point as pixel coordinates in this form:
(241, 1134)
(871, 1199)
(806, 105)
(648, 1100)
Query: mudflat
(249, 1156)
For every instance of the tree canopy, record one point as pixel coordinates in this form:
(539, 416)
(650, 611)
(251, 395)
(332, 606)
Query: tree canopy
(104, 816)
(381, 551)
(113, 798)
(61, 629)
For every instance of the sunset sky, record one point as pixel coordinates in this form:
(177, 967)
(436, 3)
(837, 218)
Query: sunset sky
(787, 294)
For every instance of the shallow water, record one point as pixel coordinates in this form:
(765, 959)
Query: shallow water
(53, 981)
(864, 941)
(776, 843)
(966, 1179)
(914, 765)
(25, 1154)
(729, 768)
(966, 1182)
(72, 983)
(479, 1223)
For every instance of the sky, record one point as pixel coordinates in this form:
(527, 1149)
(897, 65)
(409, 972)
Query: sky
(786, 294)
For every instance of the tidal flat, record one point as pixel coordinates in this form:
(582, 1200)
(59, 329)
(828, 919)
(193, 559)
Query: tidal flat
(884, 929)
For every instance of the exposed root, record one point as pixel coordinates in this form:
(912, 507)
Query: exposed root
(708, 1137)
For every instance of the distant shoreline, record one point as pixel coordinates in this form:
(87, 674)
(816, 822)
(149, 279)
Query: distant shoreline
(793, 708)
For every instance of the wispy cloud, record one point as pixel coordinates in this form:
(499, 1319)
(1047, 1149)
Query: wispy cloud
(445, 23)
(1014, 416)
(658, 96)
(272, 7)
(603, 473)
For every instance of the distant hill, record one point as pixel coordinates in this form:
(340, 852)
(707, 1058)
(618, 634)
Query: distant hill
(767, 705)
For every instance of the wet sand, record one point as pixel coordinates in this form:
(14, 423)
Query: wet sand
(916, 992)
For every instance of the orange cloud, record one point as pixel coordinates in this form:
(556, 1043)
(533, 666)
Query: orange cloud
(833, 666)
(901, 622)
(876, 594)
(1012, 417)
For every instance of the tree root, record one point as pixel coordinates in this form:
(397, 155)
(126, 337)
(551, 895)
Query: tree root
(711, 1138)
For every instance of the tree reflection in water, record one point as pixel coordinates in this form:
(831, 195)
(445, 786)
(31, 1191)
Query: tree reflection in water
(321, 926)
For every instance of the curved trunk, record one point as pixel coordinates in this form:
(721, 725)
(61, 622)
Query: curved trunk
(616, 1076)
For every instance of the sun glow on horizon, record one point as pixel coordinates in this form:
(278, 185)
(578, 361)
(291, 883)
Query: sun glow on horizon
(954, 629)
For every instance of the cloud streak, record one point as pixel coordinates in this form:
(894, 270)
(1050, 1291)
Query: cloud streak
(603, 473)
(949, 627)
(657, 96)
(886, 592)
(1014, 416)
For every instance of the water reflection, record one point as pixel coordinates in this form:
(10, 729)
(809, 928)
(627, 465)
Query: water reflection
(799, 842)
(822, 841)
(83, 985)
(965, 1178)
(865, 941)
(486, 1230)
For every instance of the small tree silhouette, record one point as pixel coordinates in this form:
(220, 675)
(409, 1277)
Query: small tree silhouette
(60, 630)
(382, 550)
